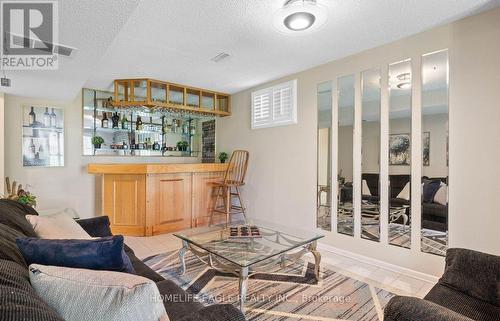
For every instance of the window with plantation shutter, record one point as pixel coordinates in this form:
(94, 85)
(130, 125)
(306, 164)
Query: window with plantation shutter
(275, 106)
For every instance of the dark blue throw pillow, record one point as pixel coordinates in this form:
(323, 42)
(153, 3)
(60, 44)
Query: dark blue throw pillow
(105, 253)
(430, 189)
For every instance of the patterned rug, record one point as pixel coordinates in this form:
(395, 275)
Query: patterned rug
(432, 241)
(291, 294)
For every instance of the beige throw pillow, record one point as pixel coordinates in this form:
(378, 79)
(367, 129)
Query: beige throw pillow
(365, 190)
(57, 226)
(441, 196)
(80, 294)
(405, 192)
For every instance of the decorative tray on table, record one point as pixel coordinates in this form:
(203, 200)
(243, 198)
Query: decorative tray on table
(244, 232)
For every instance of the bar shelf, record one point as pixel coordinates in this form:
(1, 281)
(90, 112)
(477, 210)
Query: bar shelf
(138, 130)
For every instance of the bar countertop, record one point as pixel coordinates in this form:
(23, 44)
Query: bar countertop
(154, 168)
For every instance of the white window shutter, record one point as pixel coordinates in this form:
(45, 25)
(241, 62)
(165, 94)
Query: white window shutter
(261, 108)
(275, 106)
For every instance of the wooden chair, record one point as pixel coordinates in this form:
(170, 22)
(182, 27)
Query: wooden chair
(230, 187)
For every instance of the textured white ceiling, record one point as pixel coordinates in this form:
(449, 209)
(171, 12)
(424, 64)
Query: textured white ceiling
(88, 25)
(174, 40)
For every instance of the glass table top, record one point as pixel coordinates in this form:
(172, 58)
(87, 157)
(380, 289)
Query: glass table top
(275, 240)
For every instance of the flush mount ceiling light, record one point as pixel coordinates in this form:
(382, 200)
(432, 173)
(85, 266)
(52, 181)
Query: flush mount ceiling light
(404, 80)
(297, 16)
(404, 85)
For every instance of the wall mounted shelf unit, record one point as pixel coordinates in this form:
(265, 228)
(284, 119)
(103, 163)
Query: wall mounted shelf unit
(138, 130)
(157, 94)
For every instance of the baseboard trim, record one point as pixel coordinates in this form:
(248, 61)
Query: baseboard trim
(381, 264)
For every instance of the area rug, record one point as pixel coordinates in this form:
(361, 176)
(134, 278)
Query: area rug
(291, 294)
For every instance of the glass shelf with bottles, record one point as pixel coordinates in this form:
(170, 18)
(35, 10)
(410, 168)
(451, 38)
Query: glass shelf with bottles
(137, 131)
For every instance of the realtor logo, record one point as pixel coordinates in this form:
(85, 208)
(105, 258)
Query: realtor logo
(29, 35)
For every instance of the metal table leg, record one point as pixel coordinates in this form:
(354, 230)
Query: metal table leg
(243, 286)
(317, 258)
(182, 254)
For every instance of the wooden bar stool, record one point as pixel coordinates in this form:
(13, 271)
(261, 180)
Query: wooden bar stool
(230, 187)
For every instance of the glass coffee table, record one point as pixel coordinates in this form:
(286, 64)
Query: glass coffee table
(244, 257)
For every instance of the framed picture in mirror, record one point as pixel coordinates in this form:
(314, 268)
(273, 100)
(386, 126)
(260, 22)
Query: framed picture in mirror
(399, 149)
(426, 148)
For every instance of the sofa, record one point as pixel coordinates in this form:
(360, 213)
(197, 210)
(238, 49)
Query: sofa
(19, 301)
(468, 290)
(434, 215)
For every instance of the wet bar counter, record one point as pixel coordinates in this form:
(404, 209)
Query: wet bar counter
(148, 199)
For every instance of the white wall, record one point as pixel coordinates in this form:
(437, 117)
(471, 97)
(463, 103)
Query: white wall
(60, 187)
(281, 182)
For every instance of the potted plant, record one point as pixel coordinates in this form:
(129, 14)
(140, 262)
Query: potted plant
(223, 156)
(97, 141)
(182, 146)
(17, 193)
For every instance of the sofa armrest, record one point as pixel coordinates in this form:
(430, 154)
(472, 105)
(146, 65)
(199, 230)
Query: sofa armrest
(474, 273)
(216, 312)
(96, 226)
(404, 308)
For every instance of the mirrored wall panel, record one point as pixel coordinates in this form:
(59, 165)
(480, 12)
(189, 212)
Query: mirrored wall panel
(370, 155)
(435, 153)
(400, 76)
(345, 105)
(324, 188)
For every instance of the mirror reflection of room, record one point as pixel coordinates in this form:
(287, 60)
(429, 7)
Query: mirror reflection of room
(400, 109)
(370, 155)
(345, 105)
(434, 236)
(324, 191)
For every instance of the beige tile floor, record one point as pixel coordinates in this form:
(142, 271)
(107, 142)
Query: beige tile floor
(389, 280)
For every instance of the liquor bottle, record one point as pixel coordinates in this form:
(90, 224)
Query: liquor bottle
(32, 117)
(46, 117)
(138, 123)
(40, 153)
(156, 146)
(53, 118)
(32, 149)
(132, 141)
(104, 121)
(115, 119)
(124, 122)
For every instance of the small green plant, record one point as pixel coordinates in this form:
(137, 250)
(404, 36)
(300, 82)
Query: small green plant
(27, 198)
(17, 193)
(223, 156)
(97, 141)
(182, 146)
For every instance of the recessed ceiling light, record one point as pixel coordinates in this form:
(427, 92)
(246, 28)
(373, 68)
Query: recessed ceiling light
(297, 16)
